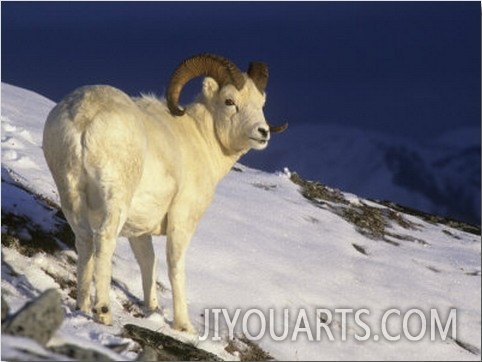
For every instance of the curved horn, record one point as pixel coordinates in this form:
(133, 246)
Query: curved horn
(278, 129)
(258, 72)
(220, 69)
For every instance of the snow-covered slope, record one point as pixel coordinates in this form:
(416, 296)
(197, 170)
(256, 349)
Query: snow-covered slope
(440, 176)
(261, 245)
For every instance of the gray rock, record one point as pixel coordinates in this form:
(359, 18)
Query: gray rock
(148, 354)
(5, 309)
(38, 319)
(80, 354)
(160, 347)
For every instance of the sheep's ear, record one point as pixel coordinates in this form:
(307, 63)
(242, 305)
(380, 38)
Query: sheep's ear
(210, 87)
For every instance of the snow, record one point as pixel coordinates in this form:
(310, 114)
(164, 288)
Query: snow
(260, 245)
(23, 116)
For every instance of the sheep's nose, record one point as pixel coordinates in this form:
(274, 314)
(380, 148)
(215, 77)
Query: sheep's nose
(264, 132)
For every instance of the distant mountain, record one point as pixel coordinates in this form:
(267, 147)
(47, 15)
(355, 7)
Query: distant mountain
(440, 176)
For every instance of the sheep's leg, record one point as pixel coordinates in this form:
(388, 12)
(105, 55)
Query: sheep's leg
(74, 208)
(177, 243)
(104, 249)
(85, 270)
(144, 253)
(105, 239)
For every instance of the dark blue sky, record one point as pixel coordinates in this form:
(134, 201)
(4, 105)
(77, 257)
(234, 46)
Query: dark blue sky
(409, 68)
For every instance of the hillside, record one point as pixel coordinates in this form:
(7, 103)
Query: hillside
(268, 241)
(440, 176)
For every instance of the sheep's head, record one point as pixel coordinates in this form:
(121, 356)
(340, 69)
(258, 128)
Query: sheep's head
(235, 99)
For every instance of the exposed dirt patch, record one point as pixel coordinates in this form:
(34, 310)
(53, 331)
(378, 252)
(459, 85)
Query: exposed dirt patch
(371, 221)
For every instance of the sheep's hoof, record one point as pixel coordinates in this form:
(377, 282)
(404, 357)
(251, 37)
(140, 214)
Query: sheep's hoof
(152, 307)
(184, 327)
(85, 308)
(102, 315)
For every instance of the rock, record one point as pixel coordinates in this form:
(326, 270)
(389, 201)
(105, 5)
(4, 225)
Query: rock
(160, 347)
(148, 354)
(38, 319)
(78, 353)
(5, 309)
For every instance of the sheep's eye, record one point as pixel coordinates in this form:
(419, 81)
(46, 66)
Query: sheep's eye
(229, 102)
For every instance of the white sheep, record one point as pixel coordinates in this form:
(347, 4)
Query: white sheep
(138, 167)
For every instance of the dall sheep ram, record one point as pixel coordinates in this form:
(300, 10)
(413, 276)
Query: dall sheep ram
(144, 166)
